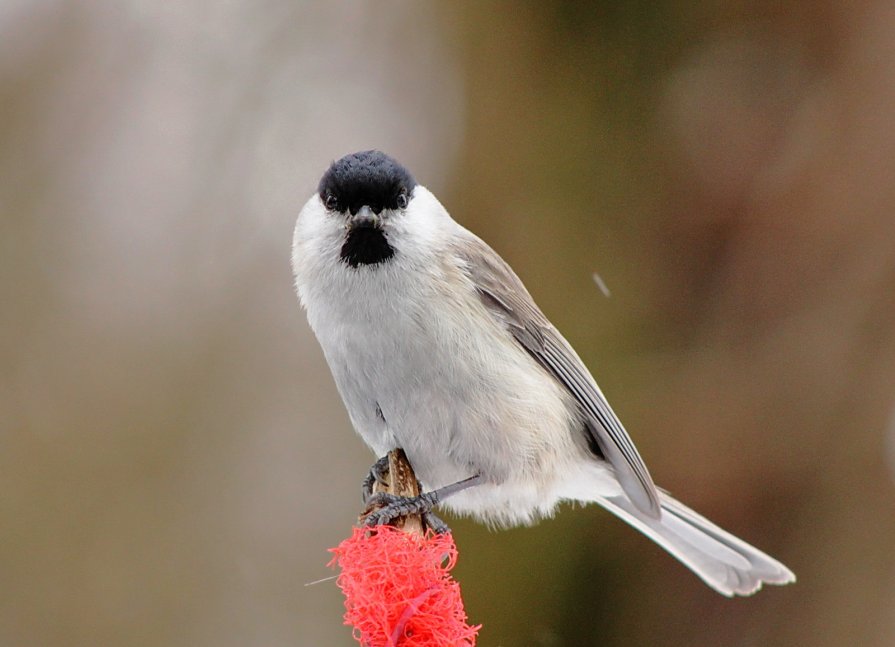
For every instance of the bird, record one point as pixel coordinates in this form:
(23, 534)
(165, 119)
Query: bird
(436, 347)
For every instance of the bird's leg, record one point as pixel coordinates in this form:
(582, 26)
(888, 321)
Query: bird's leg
(394, 506)
(432, 521)
(378, 472)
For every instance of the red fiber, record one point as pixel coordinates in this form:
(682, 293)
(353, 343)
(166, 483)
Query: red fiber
(399, 591)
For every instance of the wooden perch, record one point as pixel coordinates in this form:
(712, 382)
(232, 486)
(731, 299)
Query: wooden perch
(401, 481)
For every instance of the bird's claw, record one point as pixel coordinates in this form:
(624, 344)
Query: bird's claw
(392, 506)
(377, 474)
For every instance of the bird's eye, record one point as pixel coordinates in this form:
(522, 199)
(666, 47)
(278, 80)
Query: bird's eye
(330, 202)
(402, 200)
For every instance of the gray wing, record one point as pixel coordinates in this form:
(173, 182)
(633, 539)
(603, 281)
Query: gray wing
(504, 295)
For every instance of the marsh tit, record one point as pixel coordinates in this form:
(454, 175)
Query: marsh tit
(437, 347)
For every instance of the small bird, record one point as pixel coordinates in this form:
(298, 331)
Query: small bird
(436, 347)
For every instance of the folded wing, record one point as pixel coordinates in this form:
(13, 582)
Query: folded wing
(506, 298)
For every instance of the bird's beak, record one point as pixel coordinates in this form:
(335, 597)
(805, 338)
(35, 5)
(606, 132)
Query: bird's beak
(365, 218)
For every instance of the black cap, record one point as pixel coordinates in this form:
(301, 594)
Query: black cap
(368, 178)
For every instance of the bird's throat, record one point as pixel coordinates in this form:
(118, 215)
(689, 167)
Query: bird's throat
(366, 245)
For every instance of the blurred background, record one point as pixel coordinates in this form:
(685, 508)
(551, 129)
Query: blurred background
(174, 457)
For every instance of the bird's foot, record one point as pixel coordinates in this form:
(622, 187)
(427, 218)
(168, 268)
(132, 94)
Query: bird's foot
(388, 507)
(385, 508)
(377, 474)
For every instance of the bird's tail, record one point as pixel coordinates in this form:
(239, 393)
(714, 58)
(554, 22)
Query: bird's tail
(727, 564)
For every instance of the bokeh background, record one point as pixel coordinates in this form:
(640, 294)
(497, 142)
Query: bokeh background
(174, 458)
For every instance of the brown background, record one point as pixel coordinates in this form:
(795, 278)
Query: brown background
(174, 458)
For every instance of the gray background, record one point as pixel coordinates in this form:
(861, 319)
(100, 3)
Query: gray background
(174, 457)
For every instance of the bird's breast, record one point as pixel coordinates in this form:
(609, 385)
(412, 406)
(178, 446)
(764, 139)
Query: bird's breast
(422, 365)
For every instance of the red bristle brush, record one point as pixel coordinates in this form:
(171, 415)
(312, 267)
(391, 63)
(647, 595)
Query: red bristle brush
(396, 579)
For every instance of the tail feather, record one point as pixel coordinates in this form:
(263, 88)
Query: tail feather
(727, 564)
